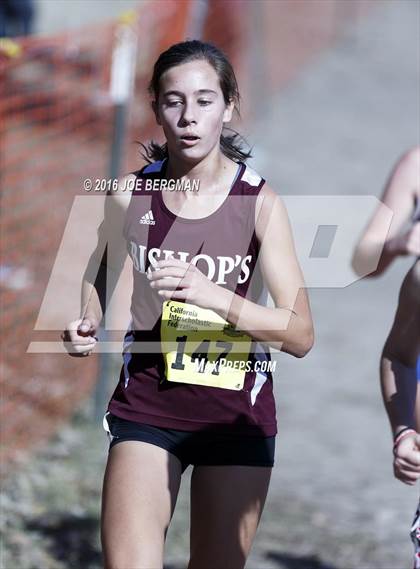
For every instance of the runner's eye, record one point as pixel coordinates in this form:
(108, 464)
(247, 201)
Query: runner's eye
(173, 103)
(204, 103)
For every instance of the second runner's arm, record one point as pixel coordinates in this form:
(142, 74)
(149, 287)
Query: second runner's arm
(399, 385)
(381, 242)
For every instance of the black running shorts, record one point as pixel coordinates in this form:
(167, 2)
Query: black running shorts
(199, 448)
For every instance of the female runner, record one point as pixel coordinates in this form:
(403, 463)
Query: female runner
(195, 386)
(400, 360)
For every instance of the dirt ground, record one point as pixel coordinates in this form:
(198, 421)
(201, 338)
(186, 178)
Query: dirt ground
(333, 503)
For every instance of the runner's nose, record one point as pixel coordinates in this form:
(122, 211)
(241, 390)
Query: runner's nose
(188, 115)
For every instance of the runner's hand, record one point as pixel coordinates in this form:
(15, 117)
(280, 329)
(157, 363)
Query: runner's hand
(407, 460)
(79, 337)
(177, 280)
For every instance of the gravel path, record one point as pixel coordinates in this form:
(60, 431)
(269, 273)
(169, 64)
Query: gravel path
(333, 502)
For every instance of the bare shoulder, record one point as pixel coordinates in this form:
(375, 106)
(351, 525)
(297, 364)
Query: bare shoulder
(268, 203)
(121, 196)
(409, 163)
(402, 187)
(268, 198)
(411, 158)
(267, 192)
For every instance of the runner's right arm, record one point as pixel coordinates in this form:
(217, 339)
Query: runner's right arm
(102, 272)
(399, 379)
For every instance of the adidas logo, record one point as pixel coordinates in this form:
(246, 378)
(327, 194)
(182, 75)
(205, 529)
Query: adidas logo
(147, 218)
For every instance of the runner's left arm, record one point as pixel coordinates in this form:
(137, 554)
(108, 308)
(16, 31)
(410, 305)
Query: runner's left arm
(288, 325)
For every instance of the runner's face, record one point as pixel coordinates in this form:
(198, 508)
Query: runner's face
(191, 103)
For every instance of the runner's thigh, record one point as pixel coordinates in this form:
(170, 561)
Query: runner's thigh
(226, 506)
(141, 484)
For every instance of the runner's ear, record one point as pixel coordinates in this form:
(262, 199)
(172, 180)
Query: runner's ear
(227, 115)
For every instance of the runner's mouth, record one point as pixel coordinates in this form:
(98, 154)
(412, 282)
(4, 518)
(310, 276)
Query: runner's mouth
(189, 140)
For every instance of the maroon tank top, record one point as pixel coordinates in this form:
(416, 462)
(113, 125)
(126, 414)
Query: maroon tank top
(225, 248)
